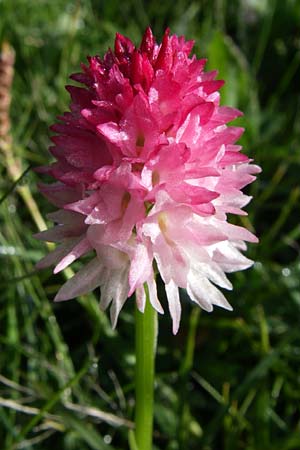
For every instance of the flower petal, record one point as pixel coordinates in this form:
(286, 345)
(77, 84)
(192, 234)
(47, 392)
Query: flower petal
(204, 293)
(78, 250)
(174, 304)
(85, 280)
(153, 295)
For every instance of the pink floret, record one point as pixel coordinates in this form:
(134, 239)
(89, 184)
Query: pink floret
(147, 171)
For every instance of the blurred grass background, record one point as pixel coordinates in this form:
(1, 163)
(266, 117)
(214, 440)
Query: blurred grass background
(227, 381)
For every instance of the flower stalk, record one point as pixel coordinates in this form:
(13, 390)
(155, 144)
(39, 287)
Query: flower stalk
(145, 345)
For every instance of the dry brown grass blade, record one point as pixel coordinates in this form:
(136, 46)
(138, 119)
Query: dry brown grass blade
(12, 162)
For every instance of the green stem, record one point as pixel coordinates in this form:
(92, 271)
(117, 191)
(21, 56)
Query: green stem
(145, 347)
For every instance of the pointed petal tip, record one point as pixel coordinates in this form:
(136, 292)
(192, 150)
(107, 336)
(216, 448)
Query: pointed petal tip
(141, 308)
(175, 328)
(159, 309)
(60, 297)
(229, 307)
(167, 32)
(64, 263)
(254, 240)
(206, 307)
(224, 305)
(114, 319)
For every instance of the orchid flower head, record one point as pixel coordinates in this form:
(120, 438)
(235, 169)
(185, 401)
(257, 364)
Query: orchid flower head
(146, 171)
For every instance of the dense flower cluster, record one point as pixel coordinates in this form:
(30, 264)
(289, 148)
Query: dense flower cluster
(146, 171)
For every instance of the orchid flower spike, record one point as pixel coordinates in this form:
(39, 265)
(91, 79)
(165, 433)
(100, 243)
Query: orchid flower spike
(146, 171)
